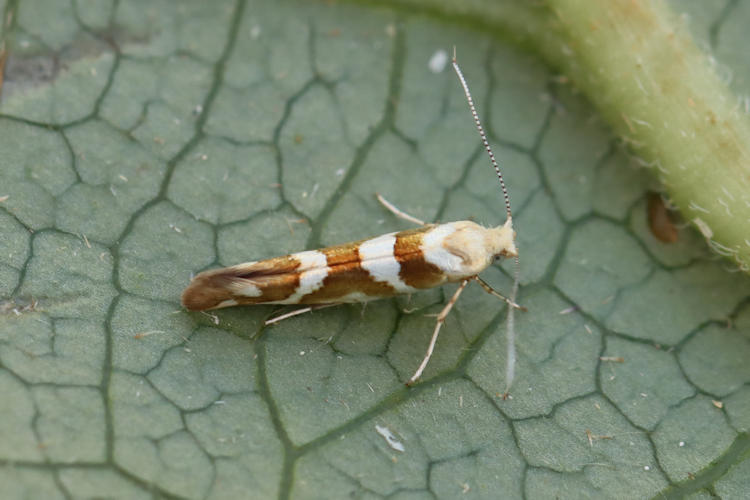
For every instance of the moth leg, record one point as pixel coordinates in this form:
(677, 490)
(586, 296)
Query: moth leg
(440, 320)
(297, 312)
(487, 288)
(397, 212)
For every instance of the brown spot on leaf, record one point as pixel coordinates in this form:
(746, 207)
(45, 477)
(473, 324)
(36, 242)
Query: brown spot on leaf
(660, 220)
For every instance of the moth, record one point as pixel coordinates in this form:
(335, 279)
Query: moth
(403, 262)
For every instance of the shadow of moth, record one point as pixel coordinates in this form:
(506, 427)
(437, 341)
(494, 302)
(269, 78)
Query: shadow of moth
(396, 263)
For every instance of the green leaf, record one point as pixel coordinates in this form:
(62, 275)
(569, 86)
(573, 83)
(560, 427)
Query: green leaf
(145, 141)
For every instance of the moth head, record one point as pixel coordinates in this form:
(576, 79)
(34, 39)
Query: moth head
(471, 248)
(504, 240)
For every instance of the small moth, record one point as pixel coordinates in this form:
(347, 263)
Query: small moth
(403, 262)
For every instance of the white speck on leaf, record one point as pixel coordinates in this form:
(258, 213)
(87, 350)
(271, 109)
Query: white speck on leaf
(213, 317)
(438, 61)
(390, 438)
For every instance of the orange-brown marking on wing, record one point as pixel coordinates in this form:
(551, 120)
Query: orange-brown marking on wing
(415, 270)
(275, 278)
(346, 276)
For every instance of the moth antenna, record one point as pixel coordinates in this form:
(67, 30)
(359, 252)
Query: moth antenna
(478, 123)
(510, 366)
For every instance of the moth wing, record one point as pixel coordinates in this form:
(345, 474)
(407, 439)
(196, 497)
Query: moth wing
(250, 283)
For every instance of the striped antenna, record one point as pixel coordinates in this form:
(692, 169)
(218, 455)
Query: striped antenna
(481, 132)
(510, 333)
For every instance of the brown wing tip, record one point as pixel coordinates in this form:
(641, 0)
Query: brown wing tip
(206, 291)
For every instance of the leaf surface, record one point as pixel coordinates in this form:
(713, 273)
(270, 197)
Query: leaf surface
(145, 141)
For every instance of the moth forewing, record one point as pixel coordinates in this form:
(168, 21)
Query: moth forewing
(383, 266)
